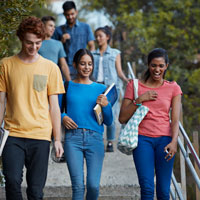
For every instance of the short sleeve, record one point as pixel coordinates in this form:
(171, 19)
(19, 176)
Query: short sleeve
(2, 77)
(90, 34)
(55, 82)
(129, 94)
(62, 53)
(176, 89)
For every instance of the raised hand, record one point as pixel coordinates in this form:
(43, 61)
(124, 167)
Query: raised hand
(148, 96)
(65, 37)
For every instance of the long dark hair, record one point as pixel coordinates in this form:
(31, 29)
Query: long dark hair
(79, 54)
(106, 30)
(155, 53)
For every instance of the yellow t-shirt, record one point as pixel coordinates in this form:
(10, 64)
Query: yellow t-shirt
(27, 87)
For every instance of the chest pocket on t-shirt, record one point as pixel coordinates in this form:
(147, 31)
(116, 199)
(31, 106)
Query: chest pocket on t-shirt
(39, 82)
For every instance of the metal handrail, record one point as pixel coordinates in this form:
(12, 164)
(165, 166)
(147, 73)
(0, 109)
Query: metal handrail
(177, 189)
(190, 146)
(130, 71)
(188, 161)
(185, 155)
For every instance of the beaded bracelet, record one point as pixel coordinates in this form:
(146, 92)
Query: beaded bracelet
(137, 104)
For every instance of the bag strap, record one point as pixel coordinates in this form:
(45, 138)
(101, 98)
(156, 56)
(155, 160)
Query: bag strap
(135, 86)
(64, 98)
(63, 28)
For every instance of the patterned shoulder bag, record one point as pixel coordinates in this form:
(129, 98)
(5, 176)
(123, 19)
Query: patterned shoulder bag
(128, 137)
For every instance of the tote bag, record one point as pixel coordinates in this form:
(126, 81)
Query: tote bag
(128, 137)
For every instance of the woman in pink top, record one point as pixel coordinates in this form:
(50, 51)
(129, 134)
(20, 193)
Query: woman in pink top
(157, 140)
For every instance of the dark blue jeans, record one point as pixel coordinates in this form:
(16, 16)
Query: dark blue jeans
(149, 157)
(34, 155)
(85, 144)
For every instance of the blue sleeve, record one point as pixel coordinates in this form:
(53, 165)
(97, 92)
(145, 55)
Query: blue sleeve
(62, 116)
(62, 53)
(107, 115)
(90, 34)
(60, 96)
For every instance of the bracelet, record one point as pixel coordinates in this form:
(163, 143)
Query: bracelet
(137, 104)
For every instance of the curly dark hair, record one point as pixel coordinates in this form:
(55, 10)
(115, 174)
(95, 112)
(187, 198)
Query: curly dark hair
(31, 25)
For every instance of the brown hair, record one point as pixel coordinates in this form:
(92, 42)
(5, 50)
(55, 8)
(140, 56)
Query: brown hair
(31, 25)
(45, 19)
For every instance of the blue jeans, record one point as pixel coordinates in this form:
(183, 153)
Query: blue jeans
(88, 144)
(150, 155)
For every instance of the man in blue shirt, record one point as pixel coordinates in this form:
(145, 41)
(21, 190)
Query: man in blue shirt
(74, 35)
(53, 49)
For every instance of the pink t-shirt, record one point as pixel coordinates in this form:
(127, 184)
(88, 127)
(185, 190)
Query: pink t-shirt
(156, 123)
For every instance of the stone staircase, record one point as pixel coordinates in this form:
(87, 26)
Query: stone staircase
(118, 180)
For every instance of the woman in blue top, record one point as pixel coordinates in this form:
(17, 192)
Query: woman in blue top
(107, 69)
(84, 136)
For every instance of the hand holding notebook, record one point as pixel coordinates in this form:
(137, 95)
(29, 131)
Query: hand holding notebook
(111, 93)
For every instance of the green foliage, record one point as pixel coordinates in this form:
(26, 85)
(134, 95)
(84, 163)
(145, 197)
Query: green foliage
(40, 11)
(192, 100)
(11, 14)
(172, 25)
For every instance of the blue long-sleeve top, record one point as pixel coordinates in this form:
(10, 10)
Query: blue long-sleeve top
(81, 99)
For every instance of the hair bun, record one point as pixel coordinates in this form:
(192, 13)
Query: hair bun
(108, 27)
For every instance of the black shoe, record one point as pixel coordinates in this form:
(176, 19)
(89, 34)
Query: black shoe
(109, 147)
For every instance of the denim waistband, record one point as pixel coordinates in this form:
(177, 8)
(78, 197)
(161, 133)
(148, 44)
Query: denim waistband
(79, 130)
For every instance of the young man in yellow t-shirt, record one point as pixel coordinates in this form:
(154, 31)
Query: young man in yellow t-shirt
(29, 85)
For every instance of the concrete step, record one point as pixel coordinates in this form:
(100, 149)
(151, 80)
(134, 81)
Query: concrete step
(118, 180)
(126, 192)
